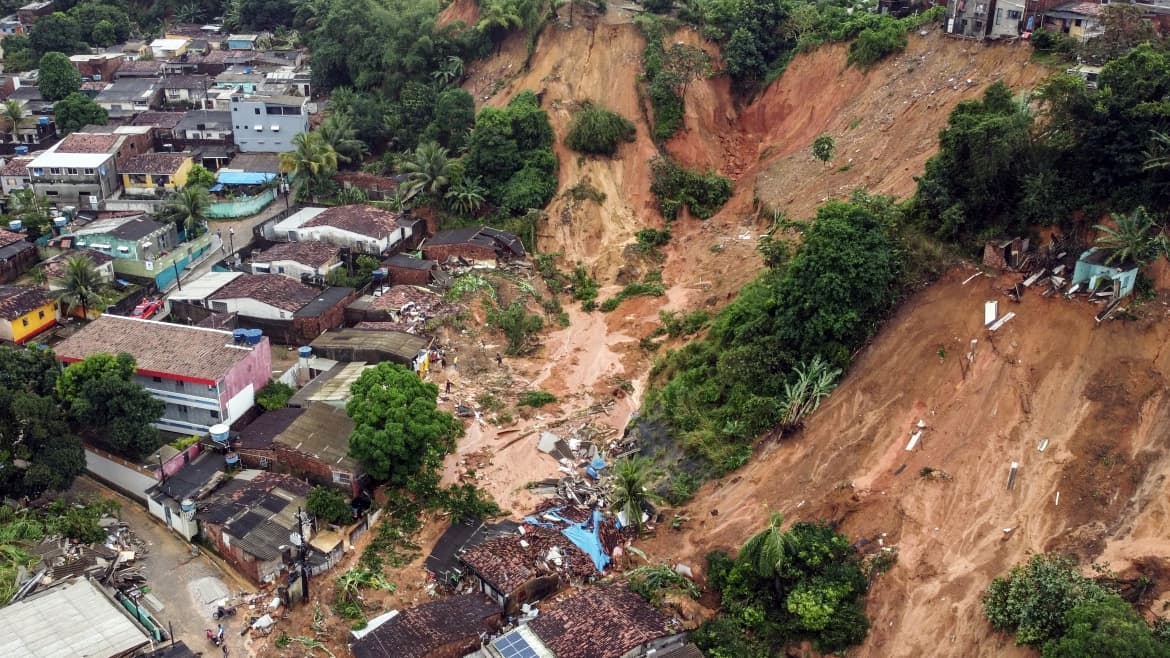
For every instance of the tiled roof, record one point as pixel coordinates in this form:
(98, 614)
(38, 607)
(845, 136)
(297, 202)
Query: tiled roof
(164, 120)
(396, 297)
(16, 166)
(8, 237)
(275, 290)
(510, 561)
(313, 253)
(417, 632)
(323, 432)
(604, 621)
(87, 143)
(1082, 8)
(258, 435)
(360, 219)
(153, 163)
(54, 268)
(140, 66)
(15, 301)
(200, 82)
(205, 354)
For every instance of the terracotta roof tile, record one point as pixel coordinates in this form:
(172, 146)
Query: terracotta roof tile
(419, 631)
(54, 268)
(87, 143)
(361, 219)
(273, 289)
(16, 166)
(163, 120)
(140, 66)
(505, 563)
(205, 354)
(313, 253)
(153, 163)
(605, 621)
(15, 301)
(8, 237)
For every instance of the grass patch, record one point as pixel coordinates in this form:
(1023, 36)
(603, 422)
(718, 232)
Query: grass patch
(536, 399)
(651, 286)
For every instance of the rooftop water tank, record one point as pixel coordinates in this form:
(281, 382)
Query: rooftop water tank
(379, 274)
(253, 336)
(15, 225)
(239, 335)
(60, 222)
(219, 433)
(44, 121)
(20, 150)
(305, 352)
(231, 459)
(188, 507)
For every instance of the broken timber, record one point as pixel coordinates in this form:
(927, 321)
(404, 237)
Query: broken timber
(1002, 321)
(1012, 475)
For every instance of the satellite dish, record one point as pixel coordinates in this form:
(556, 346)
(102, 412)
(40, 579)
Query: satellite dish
(295, 538)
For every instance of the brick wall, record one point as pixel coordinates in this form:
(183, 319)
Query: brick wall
(133, 145)
(245, 564)
(294, 462)
(408, 276)
(442, 252)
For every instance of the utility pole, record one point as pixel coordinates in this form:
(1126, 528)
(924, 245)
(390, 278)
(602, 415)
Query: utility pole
(178, 279)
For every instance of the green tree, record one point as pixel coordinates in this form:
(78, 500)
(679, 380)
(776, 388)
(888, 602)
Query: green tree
(397, 424)
(275, 395)
(598, 131)
(631, 493)
(767, 551)
(823, 148)
(81, 286)
(201, 176)
(338, 132)
(428, 170)
(466, 196)
(187, 208)
(310, 158)
(1035, 598)
(329, 505)
(517, 324)
(33, 210)
(13, 113)
(101, 24)
(1107, 628)
(76, 111)
(104, 35)
(57, 78)
(454, 119)
(1137, 239)
(107, 406)
(56, 32)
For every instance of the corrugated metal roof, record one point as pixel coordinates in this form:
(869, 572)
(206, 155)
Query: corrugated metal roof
(75, 619)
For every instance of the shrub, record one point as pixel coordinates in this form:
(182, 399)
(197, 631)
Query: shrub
(274, 396)
(536, 399)
(466, 501)
(649, 239)
(874, 43)
(650, 286)
(674, 186)
(585, 288)
(517, 324)
(1033, 599)
(329, 505)
(653, 583)
(597, 131)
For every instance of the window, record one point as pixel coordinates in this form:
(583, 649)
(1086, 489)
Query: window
(1078, 22)
(280, 269)
(56, 171)
(38, 172)
(182, 408)
(214, 414)
(998, 15)
(88, 172)
(51, 192)
(257, 110)
(40, 315)
(178, 384)
(1015, 15)
(341, 478)
(157, 379)
(24, 321)
(72, 171)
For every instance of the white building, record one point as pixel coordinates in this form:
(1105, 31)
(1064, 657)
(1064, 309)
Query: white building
(362, 228)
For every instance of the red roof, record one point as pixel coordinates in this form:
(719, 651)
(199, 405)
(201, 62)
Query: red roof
(88, 143)
(604, 621)
(360, 219)
(275, 290)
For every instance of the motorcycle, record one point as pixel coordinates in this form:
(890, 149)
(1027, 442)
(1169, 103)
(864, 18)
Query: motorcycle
(214, 638)
(221, 612)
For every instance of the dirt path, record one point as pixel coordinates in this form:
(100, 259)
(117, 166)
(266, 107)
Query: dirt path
(1098, 395)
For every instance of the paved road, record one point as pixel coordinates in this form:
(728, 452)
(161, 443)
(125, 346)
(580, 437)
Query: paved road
(185, 581)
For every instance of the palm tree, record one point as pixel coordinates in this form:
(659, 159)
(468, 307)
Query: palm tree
(338, 132)
(768, 550)
(187, 208)
(466, 196)
(814, 381)
(1158, 157)
(1136, 239)
(630, 495)
(450, 71)
(428, 169)
(311, 158)
(13, 113)
(81, 285)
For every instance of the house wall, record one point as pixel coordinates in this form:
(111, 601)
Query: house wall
(1006, 18)
(27, 326)
(293, 461)
(472, 252)
(243, 207)
(172, 516)
(293, 269)
(249, 375)
(128, 478)
(12, 268)
(246, 564)
(348, 239)
(77, 189)
(249, 307)
(532, 590)
(152, 182)
(164, 238)
(248, 114)
(408, 276)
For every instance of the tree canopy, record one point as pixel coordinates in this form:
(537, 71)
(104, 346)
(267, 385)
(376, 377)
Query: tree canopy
(57, 78)
(397, 424)
(107, 406)
(76, 111)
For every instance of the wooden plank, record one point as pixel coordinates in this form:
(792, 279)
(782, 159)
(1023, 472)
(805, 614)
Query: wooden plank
(1002, 321)
(972, 277)
(1012, 475)
(1034, 278)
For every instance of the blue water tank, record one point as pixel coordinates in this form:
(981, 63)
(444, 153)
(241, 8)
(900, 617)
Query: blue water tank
(21, 150)
(219, 433)
(305, 352)
(44, 121)
(379, 274)
(232, 459)
(15, 225)
(240, 335)
(254, 336)
(60, 222)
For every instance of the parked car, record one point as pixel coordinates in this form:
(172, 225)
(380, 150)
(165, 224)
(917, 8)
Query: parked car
(147, 309)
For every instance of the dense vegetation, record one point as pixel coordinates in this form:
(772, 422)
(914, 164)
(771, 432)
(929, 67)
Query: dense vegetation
(768, 353)
(1048, 604)
(597, 131)
(999, 170)
(803, 583)
(329, 505)
(22, 529)
(676, 187)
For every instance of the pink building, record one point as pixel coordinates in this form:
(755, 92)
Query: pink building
(204, 376)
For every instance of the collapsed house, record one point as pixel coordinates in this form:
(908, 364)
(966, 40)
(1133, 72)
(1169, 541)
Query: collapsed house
(445, 628)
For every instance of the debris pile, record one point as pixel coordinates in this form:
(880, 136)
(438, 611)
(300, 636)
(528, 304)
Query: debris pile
(112, 563)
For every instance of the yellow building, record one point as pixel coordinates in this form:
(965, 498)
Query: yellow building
(146, 174)
(25, 311)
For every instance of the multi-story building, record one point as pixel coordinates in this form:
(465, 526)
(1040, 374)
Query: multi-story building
(78, 170)
(202, 375)
(130, 237)
(155, 174)
(268, 124)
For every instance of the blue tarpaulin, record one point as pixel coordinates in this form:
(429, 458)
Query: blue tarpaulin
(215, 188)
(585, 536)
(242, 177)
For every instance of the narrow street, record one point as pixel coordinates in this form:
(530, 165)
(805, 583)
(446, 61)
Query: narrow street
(186, 582)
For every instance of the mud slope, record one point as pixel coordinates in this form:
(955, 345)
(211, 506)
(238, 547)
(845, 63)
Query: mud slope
(1099, 396)
(885, 121)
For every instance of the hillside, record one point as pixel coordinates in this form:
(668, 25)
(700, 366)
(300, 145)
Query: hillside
(891, 113)
(1098, 394)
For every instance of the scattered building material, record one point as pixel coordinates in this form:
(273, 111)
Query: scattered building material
(1002, 321)
(1015, 468)
(971, 278)
(990, 312)
(913, 441)
(1043, 445)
